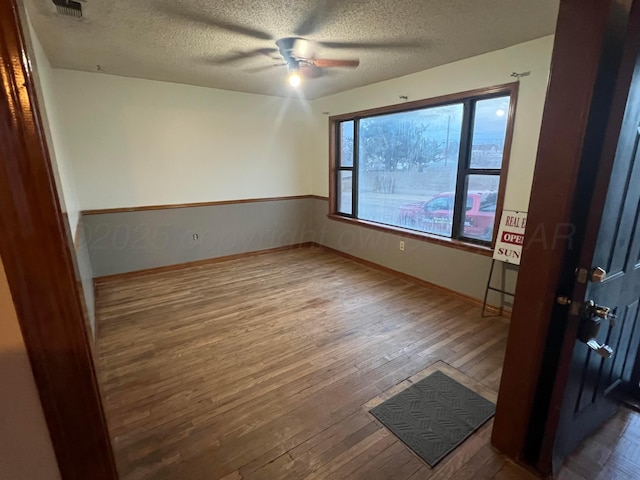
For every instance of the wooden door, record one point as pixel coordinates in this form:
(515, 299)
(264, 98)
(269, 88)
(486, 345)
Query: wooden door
(583, 214)
(599, 376)
(590, 355)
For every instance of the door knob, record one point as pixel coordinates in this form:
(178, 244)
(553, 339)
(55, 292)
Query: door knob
(598, 275)
(605, 351)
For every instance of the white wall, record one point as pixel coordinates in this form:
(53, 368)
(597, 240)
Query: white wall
(26, 452)
(53, 128)
(486, 70)
(60, 160)
(136, 142)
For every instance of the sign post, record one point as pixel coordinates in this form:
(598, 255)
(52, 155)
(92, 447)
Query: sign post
(508, 251)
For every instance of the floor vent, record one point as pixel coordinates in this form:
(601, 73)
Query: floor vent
(68, 8)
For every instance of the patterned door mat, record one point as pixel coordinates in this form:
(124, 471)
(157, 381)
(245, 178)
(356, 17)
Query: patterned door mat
(435, 415)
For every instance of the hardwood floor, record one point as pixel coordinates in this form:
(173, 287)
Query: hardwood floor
(265, 367)
(613, 453)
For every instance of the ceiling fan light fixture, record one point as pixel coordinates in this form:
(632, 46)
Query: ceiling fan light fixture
(294, 78)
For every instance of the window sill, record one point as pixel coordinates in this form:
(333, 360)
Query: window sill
(426, 237)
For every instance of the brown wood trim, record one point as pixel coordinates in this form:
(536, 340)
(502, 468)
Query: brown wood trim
(179, 266)
(425, 237)
(191, 205)
(510, 88)
(410, 278)
(96, 346)
(624, 24)
(317, 197)
(37, 256)
(423, 103)
(333, 165)
(170, 268)
(506, 157)
(578, 45)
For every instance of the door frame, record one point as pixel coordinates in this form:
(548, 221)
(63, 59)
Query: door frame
(37, 255)
(581, 122)
(36, 250)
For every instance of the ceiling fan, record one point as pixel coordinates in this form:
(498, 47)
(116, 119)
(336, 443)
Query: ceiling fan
(300, 58)
(296, 53)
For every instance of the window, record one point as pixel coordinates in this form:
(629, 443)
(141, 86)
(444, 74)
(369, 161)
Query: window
(433, 167)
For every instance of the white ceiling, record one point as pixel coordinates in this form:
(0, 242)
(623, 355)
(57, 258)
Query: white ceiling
(181, 40)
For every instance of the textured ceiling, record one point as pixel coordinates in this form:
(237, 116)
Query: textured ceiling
(184, 40)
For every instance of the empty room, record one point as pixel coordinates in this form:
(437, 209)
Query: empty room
(320, 239)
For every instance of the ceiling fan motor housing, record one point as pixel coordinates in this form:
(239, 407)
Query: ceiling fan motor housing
(287, 47)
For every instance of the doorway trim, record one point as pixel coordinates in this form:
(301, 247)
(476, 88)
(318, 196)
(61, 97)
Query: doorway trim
(37, 255)
(576, 140)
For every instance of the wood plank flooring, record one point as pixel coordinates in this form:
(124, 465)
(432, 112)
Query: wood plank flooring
(264, 367)
(613, 453)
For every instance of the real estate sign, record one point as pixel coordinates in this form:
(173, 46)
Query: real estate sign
(510, 237)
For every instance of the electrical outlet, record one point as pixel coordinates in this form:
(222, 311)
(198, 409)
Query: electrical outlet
(195, 236)
(401, 245)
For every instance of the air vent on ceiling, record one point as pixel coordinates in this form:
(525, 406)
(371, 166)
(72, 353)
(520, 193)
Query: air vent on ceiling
(68, 7)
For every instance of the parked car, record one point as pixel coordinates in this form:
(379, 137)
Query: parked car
(436, 215)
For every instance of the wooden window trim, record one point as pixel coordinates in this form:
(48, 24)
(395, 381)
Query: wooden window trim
(463, 244)
(415, 234)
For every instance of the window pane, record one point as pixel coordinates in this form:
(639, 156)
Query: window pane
(407, 168)
(482, 199)
(346, 144)
(345, 192)
(489, 132)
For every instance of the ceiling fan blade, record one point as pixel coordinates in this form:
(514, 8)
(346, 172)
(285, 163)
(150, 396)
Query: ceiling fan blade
(204, 19)
(264, 68)
(311, 71)
(373, 45)
(327, 63)
(316, 18)
(227, 59)
(240, 56)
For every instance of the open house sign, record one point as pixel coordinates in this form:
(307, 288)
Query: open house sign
(510, 237)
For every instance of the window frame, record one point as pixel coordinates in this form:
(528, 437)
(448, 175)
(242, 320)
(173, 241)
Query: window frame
(469, 99)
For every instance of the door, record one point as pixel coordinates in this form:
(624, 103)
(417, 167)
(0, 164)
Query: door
(438, 215)
(602, 370)
(582, 214)
(595, 335)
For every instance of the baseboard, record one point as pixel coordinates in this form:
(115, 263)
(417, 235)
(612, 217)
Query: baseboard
(96, 323)
(195, 263)
(410, 278)
(168, 268)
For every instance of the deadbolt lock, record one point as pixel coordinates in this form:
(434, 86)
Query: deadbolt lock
(591, 316)
(605, 314)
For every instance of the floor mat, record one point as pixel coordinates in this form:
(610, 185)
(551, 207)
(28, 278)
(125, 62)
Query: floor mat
(435, 415)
